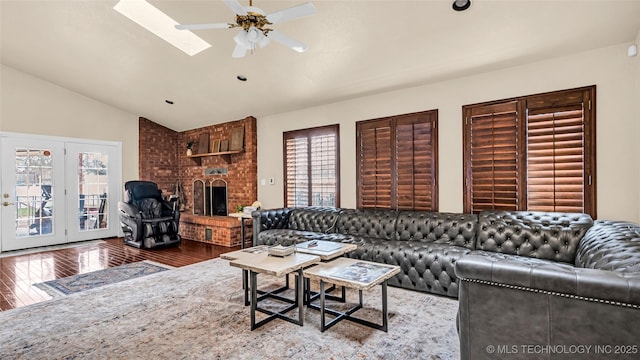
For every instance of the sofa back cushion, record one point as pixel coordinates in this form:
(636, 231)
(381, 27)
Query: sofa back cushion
(272, 219)
(375, 224)
(610, 245)
(437, 227)
(315, 219)
(542, 235)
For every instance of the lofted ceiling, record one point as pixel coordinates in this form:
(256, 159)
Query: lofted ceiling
(356, 48)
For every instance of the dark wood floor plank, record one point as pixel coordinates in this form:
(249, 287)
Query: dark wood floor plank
(18, 273)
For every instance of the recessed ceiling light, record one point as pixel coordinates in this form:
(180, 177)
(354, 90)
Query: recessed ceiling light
(461, 5)
(169, 102)
(241, 78)
(154, 20)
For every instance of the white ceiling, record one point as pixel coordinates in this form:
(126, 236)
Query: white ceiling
(356, 48)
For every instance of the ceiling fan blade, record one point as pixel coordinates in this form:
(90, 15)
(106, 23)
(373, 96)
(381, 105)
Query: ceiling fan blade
(292, 13)
(239, 51)
(202, 26)
(235, 6)
(287, 41)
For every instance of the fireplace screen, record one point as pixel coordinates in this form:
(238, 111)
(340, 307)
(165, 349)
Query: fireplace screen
(210, 198)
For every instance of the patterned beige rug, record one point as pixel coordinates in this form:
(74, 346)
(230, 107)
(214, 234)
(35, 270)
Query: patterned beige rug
(197, 312)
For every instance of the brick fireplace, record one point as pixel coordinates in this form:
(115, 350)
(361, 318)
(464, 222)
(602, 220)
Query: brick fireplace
(163, 159)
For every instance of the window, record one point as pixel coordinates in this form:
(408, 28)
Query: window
(397, 162)
(533, 153)
(312, 167)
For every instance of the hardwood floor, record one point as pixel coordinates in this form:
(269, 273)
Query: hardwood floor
(19, 272)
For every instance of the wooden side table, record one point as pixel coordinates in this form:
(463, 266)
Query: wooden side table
(242, 216)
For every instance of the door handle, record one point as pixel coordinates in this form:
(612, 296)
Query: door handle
(6, 203)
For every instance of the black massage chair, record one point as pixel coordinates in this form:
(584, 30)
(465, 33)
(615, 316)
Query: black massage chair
(147, 219)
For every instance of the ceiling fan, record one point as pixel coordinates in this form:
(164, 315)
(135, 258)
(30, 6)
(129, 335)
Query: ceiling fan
(254, 22)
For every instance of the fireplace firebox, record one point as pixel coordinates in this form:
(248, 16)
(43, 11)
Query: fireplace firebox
(210, 198)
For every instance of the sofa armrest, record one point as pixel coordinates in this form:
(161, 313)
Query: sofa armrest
(270, 219)
(546, 276)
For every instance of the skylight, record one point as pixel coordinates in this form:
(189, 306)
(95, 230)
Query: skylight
(154, 20)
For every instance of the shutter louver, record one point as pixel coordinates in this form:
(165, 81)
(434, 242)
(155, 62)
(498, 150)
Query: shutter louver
(375, 166)
(297, 180)
(493, 157)
(323, 169)
(414, 165)
(556, 159)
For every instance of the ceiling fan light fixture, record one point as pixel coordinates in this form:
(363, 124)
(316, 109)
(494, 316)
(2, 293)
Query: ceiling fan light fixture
(254, 23)
(253, 35)
(461, 5)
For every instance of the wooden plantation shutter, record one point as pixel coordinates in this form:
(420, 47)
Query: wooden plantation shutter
(533, 153)
(556, 152)
(374, 164)
(311, 171)
(415, 161)
(491, 142)
(296, 171)
(324, 167)
(397, 162)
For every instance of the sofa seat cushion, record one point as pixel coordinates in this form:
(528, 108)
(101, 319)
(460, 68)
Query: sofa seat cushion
(286, 237)
(425, 266)
(542, 235)
(610, 245)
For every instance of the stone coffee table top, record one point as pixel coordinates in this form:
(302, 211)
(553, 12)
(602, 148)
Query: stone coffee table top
(352, 273)
(261, 262)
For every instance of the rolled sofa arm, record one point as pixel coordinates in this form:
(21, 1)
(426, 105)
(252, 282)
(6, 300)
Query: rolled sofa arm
(513, 307)
(544, 276)
(269, 219)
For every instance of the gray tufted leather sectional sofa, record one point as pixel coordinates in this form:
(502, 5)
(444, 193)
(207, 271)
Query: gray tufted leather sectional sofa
(530, 285)
(424, 244)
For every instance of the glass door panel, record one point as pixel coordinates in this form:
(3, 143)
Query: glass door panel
(93, 191)
(93, 186)
(32, 188)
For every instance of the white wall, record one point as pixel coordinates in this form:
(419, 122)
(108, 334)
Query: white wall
(34, 106)
(618, 149)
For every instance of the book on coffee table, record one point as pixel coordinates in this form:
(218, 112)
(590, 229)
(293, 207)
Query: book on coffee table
(319, 245)
(364, 272)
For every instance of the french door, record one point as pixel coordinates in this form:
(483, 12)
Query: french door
(56, 190)
(92, 191)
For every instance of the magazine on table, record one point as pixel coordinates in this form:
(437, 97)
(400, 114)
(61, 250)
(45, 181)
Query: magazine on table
(324, 246)
(361, 272)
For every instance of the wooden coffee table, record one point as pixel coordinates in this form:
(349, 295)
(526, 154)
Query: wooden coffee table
(255, 261)
(355, 274)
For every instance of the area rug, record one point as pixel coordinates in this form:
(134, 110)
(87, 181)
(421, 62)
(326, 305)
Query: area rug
(90, 280)
(197, 312)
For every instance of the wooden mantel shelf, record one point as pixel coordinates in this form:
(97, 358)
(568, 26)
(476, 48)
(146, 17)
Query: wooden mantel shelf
(226, 155)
